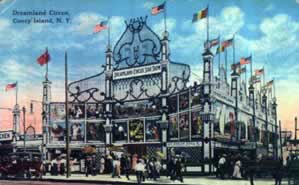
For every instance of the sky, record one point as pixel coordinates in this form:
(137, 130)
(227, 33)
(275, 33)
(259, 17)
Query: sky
(267, 29)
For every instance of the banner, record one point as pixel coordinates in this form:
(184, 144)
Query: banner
(57, 111)
(184, 125)
(136, 127)
(77, 131)
(77, 111)
(137, 71)
(94, 111)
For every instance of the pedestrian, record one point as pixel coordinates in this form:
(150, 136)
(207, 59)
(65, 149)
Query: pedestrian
(237, 170)
(221, 164)
(88, 166)
(278, 173)
(127, 166)
(117, 167)
(179, 167)
(102, 165)
(158, 167)
(139, 168)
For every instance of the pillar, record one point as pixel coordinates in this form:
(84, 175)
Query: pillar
(16, 125)
(45, 116)
(207, 111)
(252, 102)
(235, 94)
(108, 96)
(164, 91)
(264, 103)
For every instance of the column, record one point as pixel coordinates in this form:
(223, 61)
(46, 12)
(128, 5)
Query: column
(277, 135)
(207, 110)
(235, 94)
(252, 102)
(45, 116)
(265, 107)
(164, 91)
(108, 96)
(16, 125)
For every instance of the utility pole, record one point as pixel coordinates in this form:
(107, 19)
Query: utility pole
(24, 127)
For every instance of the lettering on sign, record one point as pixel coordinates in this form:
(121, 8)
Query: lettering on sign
(5, 136)
(137, 71)
(184, 144)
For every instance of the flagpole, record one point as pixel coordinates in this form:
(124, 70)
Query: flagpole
(246, 80)
(274, 88)
(165, 26)
(234, 49)
(225, 64)
(66, 119)
(17, 86)
(47, 66)
(219, 53)
(208, 24)
(109, 25)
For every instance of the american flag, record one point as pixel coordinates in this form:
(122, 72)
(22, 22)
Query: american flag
(259, 72)
(10, 86)
(99, 27)
(157, 9)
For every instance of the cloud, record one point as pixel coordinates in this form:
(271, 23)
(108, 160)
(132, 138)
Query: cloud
(148, 5)
(160, 27)
(85, 22)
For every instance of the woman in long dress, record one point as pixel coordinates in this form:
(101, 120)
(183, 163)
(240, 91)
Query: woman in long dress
(237, 170)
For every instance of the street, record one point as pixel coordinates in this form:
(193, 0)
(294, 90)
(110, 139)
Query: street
(14, 182)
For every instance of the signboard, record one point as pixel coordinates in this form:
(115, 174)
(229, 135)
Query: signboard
(95, 131)
(6, 136)
(137, 71)
(184, 144)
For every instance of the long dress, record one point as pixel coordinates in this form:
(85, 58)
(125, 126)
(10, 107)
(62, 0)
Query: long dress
(237, 170)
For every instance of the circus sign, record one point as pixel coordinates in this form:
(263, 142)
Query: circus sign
(137, 71)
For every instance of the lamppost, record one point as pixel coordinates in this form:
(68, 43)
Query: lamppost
(24, 127)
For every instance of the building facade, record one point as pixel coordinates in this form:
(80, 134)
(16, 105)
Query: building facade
(143, 103)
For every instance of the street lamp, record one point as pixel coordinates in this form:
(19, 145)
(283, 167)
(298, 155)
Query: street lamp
(24, 127)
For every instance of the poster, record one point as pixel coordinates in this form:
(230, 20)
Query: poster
(184, 125)
(95, 132)
(76, 111)
(94, 111)
(77, 131)
(184, 101)
(57, 111)
(173, 104)
(136, 128)
(173, 130)
(57, 131)
(196, 125)
(120, 132)
(152, 130)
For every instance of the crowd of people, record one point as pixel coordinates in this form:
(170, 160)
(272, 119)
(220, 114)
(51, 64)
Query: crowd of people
(144, 168)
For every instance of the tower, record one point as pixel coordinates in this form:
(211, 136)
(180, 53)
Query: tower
(108, 96)
(235, 94)
(252, 103)
(164, 90)
(207, 109)
(16, 123)
(46, 115)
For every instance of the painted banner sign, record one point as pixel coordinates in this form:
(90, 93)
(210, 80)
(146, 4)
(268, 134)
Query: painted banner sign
(137, 71)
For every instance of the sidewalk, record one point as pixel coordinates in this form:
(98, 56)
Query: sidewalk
(199, 180)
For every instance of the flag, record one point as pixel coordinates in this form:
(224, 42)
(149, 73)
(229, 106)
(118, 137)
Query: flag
(200, 15)
(255, 79)
(220, 49)
(242, 70)
(211, 43)
(10, 86)
(44, 58)
(270, 83)
(158, 9)
(99, 27)
(259, 72)
(235, 66)
(227, 43)
(244, 61)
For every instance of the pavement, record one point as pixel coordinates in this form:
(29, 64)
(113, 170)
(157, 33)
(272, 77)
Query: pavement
(190, 180)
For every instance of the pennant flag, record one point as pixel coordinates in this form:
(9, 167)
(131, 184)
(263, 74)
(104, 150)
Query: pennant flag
(259, 72)
(200, 15)
(235, 66)
(255, 79)
(227, 43)
(158, 9)
(220, 49)
(270, 83)
(244, 61)
(102, 26)
(242, 70)
(10, 86)
(211, 43)
(44, 58)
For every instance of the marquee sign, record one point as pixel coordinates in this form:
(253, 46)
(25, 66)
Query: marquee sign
(137, 71)
(6, 136)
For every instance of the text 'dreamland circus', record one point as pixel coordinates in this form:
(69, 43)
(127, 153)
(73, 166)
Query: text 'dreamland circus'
(40, 17)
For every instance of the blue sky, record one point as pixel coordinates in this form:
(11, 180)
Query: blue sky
(268, 29)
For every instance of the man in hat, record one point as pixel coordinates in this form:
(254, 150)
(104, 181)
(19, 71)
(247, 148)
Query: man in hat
(221, 164)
